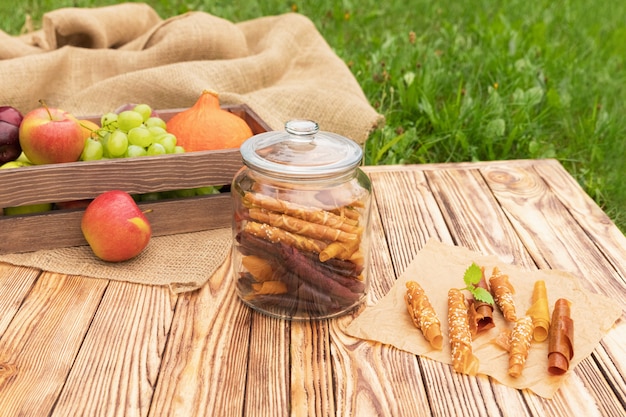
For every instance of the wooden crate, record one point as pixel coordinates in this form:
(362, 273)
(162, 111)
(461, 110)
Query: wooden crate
(56, 183)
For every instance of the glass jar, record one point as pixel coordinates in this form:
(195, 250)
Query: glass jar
(301, 223)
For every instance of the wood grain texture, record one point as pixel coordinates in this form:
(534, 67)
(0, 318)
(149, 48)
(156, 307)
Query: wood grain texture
(311, 376)
(549, 234)
(79, 346)
(606, 236)
(80, 180)
(409, 213)
(122, 351)
(474, 217)
(369, 378)
(38, 348)
(568, 247)
(203, 372)
(268, 380)
(59, 229)
(15, 282)
(463, 202)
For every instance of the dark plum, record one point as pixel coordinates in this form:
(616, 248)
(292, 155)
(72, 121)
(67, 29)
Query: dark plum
(10, 119)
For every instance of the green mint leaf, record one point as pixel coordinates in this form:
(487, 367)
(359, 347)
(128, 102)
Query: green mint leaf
(473, 275)
(482, 294)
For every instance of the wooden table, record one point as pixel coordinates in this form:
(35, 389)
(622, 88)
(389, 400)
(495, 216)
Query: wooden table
(73, 346)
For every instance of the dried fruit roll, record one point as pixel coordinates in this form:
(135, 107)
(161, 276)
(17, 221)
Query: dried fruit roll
(463, 359)
(269, 287)
(502, 292)
(561, 338)
(519, 345)
(540, 311)
(480, 313)
(261, 269)
(423, 314)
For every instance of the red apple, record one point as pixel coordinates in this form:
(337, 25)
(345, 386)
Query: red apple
(10, 119)
(115, 227)
(50, 136)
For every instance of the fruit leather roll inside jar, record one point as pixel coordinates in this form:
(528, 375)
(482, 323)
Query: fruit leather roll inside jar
(301, 223)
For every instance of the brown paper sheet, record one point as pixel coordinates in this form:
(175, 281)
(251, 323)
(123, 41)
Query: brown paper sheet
(438, 267)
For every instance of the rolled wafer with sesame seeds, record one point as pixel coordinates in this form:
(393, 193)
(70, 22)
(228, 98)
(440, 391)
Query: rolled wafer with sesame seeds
(519, 345)
(278, 235)
(423, 314)
(340, 220)
(502, 291)
(302, 227)
(463, 359)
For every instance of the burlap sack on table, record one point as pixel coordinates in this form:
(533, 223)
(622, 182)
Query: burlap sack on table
(90, 61)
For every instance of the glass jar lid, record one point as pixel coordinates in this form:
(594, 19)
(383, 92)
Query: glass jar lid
(302, 151)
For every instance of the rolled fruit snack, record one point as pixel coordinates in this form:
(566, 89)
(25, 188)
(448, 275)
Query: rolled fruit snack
(480, 313)
(561, 338)
(540, 312)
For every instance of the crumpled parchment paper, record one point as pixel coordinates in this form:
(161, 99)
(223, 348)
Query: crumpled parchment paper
(439, 267)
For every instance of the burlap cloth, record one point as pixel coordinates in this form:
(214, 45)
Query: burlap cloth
(91, 61)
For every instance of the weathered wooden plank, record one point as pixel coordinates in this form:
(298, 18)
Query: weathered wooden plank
(311, 374)
(38, 348)
(478, 223)
(605, 235)
(556, 239)
(15, 282)
(370, 378)
(80, 180)
(268, 381)
(410, 214)
(448, 165)
(119, 361)
(203, 372)
(473, 216)
(413, 208)
(61, 228)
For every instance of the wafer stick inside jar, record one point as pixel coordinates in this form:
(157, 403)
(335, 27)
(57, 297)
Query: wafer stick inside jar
(301, 232)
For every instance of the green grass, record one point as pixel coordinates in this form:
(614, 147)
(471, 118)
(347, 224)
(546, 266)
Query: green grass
(461, 81)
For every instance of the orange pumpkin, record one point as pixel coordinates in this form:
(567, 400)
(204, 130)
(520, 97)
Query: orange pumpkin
(205, 126)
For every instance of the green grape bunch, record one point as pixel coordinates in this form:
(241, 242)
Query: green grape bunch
(132, 132)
